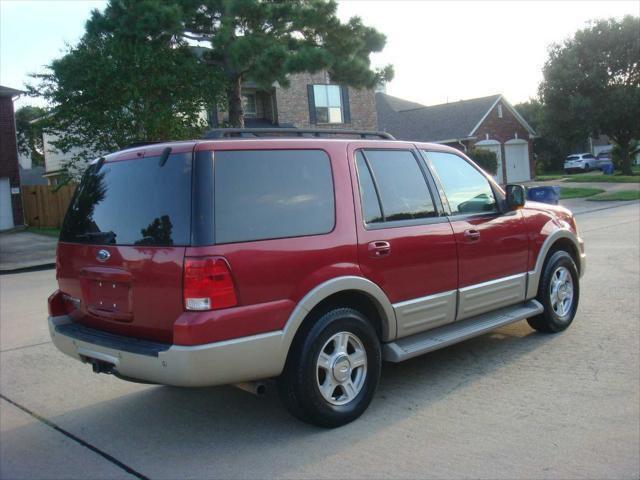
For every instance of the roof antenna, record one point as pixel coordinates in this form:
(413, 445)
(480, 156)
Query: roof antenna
(165, 155)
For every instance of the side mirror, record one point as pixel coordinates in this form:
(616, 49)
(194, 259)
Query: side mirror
(515, 197)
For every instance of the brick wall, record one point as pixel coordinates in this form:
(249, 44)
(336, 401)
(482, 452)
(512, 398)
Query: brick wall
(293, 104)
(502, 129)
(9, 156)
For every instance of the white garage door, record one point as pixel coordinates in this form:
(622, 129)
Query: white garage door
(517, 161)
(6, 213)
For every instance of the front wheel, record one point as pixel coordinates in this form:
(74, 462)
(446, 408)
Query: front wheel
(558, 292)
(333, 369)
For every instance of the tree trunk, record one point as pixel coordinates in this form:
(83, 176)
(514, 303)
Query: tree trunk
(624, 145)
(625, 158)
(234, 99)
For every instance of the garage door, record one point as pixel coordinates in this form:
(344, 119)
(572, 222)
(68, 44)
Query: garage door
(516, 154)
(6, 213)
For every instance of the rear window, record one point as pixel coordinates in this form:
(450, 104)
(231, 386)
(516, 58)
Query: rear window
(133, 202)
(573, 157)
(268, 194)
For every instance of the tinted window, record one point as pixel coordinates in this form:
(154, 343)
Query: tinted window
(588, 156)
(262, 194)
(401, 185)
(573, 157)
(369, 199)
(133, 202)
(467, 190)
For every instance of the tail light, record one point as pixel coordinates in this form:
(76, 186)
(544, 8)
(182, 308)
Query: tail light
(208, 284)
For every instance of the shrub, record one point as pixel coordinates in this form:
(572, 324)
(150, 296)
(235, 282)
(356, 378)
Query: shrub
(485, 159)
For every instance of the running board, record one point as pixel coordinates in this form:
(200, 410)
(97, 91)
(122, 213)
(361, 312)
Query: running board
(455, 332)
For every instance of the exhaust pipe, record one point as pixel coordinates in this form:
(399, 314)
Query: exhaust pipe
(256, 388)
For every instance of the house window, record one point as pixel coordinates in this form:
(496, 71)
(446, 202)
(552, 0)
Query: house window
(249, 103)
(500, 111)
(328, 103)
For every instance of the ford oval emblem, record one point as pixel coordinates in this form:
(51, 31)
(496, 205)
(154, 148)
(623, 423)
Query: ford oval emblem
(103, 255)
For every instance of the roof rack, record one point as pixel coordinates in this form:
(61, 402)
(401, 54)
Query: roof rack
(218, 133)
(139, 144)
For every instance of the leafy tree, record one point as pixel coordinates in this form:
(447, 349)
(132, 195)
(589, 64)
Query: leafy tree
(592, 84)
(486, 159)
(265, 41)
(30, 134)
(130, 78)
(550, 146)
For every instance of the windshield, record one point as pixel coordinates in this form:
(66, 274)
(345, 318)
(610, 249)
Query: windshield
(132, 202)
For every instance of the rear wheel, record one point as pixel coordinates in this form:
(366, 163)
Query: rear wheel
(559, 292)
(332, 371)
(587, 168)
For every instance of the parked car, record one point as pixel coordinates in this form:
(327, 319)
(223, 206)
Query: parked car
(308, 260)
(580, 162)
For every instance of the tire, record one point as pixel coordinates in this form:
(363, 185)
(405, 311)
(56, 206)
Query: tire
(558, 292)
(304, 379)
(586, 168)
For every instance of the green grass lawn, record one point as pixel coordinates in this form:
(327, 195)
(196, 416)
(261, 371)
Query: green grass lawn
(48, 231)
(549, 176)
(567, 192)
(615, 178)
(591, 177)
(620, 195)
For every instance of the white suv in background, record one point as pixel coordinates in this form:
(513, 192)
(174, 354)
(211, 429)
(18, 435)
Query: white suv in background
(580, 162)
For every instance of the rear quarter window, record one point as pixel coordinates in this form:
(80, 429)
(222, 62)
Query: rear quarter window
(269, 194)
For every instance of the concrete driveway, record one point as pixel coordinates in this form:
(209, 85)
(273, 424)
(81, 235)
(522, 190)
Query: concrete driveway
(21, 249)
(510, 404)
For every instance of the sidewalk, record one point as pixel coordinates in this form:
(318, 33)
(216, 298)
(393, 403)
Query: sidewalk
(22, 250)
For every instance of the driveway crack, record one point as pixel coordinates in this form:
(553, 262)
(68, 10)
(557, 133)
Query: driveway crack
(24, 346)
(76, 439)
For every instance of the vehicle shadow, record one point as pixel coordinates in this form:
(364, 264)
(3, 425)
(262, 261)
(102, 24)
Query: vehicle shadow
(167, 432)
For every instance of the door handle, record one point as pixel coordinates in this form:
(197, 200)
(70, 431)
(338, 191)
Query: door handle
(471, 235)
(379, 248)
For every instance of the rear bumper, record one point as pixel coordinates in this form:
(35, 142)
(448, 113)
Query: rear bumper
(231, 361)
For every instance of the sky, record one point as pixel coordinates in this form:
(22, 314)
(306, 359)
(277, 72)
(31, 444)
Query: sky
(442, 51)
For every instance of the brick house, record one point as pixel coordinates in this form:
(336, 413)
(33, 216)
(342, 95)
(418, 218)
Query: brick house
(311, 100)
(11, 213)
(488, 122)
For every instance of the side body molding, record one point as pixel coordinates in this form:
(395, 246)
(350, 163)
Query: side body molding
(533, 277)
(336, 285)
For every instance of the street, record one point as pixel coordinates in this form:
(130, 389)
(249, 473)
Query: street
(509, 404)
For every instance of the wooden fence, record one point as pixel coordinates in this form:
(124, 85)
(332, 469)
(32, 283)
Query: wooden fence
(44, 207)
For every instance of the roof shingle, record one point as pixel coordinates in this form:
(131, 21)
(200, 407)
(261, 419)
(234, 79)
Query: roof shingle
(448, 121)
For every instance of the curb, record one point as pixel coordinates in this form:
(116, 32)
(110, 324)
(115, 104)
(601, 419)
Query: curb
(31, 268)
(621, 203)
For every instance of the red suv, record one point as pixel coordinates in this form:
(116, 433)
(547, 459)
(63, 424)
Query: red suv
(310, 259)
